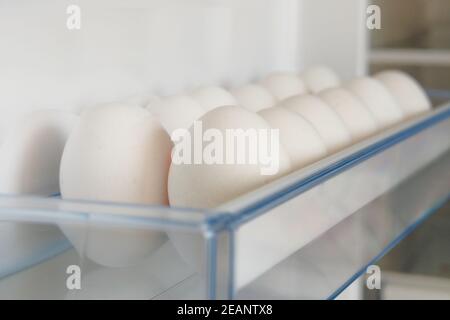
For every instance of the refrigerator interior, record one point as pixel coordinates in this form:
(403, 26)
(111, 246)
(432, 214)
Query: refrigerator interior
(416, 41)
(131, 50)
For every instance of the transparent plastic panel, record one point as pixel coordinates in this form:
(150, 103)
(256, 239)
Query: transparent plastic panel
(278, 226)
(332, 261)
(101, 251)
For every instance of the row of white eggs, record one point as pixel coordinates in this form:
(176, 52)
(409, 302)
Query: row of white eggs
(19, 143)
(124, 144)
(121, 153)
(130, 146)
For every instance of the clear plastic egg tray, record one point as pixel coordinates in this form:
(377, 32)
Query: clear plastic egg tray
(307, 235)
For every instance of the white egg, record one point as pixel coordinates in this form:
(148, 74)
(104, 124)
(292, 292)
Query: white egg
(142, 100)
(210, 185)
(318, 78)
(30, 156)
(299, 138)
(356, 117)
(407, 92)
(330, 127)
(283, 85)
(176, 112)
(116, 153)
(253, 97)
(207, 185)
(377, 99)
(211, 97)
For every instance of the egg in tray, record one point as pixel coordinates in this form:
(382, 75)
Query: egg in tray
(196, 149)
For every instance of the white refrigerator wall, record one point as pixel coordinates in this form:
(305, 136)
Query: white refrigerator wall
(165, 46)
(334, 33)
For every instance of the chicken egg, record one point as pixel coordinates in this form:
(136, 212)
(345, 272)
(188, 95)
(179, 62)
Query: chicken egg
(117, 153)
(330, 127)
(209, 184)
(407, 92)
(176, 112)
(377, 99)
(356, 117)
(142, 100)
(253, 97)
(299, 138)
(318, 78)
(283, 85)
(211, 97)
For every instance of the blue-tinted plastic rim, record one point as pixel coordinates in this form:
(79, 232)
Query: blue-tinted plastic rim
(406, 232)
(259, 207)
